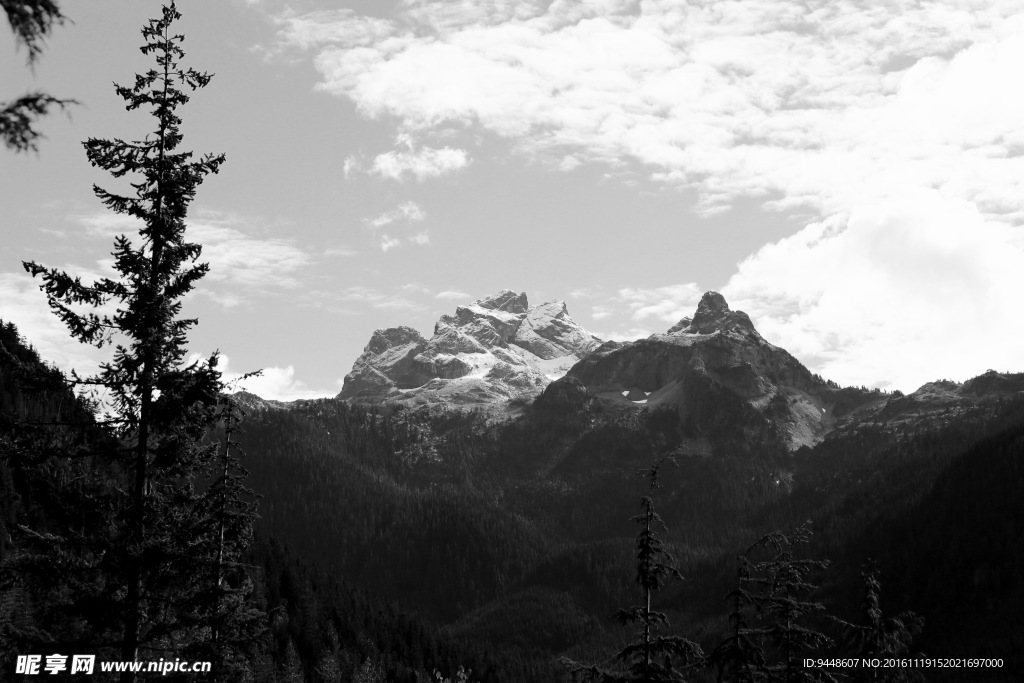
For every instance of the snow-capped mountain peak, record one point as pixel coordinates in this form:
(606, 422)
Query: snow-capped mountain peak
(492, 350)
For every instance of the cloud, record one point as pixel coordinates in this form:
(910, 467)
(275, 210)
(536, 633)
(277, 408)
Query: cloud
(23, 304)
(404, 215)
(452, 294)
(827, 105)
(569, 163)
(376, 298)
(239, 262)
(247, 262)
(352, 165)
(407, 211)
(416, 288)
(895, 126)
(339, 251)
(274, 383)
(667, 304)
(387, 243)
(894, 295)
(421, 163)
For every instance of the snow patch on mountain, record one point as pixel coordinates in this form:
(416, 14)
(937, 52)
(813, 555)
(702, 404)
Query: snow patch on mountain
(493, 350)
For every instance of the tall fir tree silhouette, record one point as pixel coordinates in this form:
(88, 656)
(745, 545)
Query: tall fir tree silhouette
(178, 513)
(782, 597)
(651, 657)
(881, 637)
(740, 657)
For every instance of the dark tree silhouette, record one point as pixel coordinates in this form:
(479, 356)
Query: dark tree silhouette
(881, 637)
(784, 584)
(31, 21)
(178, 517)
(651, 658)
(740, 657)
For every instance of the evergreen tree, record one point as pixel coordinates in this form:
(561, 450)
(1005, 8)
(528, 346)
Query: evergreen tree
(52, 556)
(651, 658)
(784, 582)
(31, 21)
(291, 667)
(369, 672)
(740, 657)
(178, 516)
(227, 509)
(882, 637)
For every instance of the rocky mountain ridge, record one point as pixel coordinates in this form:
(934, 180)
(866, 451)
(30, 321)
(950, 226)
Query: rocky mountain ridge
(714, 357)
(725, 385)
(492, 351)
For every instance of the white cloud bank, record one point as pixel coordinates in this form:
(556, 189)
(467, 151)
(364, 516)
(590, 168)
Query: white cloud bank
(899, 124)
(894, 294)
(274, 383)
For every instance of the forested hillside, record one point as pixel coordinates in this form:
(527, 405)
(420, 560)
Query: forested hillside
(315, 621)
(461, 518)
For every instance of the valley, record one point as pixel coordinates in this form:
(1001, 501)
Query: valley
(505, 520)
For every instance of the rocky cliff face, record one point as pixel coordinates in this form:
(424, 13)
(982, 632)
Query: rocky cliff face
(727, 387)
(719, 375)
(489, 352)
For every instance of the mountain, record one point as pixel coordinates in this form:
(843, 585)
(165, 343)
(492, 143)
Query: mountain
(490, 352)
(728, 387)
(514, 533)
(511, 539)
(724, 386)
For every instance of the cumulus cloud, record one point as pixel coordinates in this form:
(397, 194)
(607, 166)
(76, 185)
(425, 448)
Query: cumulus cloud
(274, 382)
(894, 125)
(893, 293)
(823, 103)
(418, 162)
(828, 104)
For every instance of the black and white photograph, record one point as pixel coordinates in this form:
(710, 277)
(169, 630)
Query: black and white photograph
(512, 341)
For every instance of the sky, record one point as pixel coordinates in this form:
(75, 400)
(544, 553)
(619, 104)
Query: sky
(850, 174)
